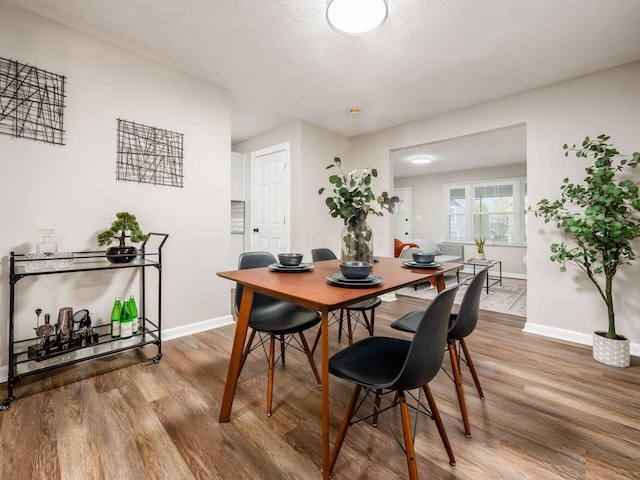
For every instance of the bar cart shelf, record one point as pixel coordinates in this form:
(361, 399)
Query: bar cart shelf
(22, 362)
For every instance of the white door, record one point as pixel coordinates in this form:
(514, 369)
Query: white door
(270, 199)
(402, 216)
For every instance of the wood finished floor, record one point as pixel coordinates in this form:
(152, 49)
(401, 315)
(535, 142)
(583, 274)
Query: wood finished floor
(551, 412)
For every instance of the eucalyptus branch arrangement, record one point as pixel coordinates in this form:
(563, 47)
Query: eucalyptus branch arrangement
(352, 198)
(599, 217)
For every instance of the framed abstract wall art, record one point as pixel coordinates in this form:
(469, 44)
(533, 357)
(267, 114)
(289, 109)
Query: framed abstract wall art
(149, 155)
(31, 102)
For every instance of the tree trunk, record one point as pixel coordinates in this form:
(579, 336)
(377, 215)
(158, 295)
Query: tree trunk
(611, 333)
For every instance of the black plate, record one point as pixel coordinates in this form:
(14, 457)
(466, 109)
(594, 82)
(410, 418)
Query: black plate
(339, 277)
(338, 280)
(412, 264)
(303, 267)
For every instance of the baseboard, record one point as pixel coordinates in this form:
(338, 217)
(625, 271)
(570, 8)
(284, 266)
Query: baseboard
(167, 334)
(569, 336)
(494, 273)
(190, 329)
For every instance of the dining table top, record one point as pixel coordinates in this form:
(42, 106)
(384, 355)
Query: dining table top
(312, 290)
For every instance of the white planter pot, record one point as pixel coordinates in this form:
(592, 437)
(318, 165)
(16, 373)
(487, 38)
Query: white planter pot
(611, 351)
(480, 256)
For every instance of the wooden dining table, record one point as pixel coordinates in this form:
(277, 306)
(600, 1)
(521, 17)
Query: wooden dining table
(311, 289)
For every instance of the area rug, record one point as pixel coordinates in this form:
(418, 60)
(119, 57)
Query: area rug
(510, 297)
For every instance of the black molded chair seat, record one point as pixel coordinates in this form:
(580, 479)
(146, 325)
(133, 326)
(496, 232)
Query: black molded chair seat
(461, 325)
(272, 318)
(397, 365)
(408, 322)
(375, 363)
(365, 305)
(290, 319)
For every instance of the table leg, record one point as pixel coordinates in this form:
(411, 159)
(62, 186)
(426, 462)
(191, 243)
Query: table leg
(325, 394)
(440, 283)
(236, 354)
(487, 281)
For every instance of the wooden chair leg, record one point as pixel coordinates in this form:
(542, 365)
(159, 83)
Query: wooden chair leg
(371, 323)
(245, 352)
(340, 321)
(376, 409)
(349, 329)
(315, 342)
(365, 322)
(474, 374)
(305, 345)
(272, 354)
(458, 381)
(408, 438)
(344, 426)
(439, 424)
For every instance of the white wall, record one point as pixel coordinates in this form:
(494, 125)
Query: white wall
(72, 188)
(315, 228)
(427, 201)
(312, 149)
(605, 102)
(287, 133)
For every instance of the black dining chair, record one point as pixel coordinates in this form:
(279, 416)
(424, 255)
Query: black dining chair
(357, 311)
(461, 325)
(274, 319)
(397, 366)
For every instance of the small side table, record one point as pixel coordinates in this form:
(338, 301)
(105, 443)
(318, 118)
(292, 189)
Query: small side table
(485, 263)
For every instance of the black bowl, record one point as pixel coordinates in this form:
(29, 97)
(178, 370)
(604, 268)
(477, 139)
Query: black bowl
(355, 270)
(290, 259)
(423, 257)
(121, 254)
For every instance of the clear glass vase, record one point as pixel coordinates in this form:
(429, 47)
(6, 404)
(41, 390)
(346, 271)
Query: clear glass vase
(357, 242)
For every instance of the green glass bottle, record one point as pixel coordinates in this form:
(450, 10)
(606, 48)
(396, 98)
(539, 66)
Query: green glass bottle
(135, 321)
(116, 313)
(126, 324)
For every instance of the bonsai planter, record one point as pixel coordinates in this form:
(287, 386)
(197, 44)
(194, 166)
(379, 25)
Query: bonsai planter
(121, 254)
(613, 352)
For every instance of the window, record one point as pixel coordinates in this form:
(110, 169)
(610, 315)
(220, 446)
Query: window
(491, 209)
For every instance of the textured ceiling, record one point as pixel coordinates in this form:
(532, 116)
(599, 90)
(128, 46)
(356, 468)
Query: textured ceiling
(282, 62)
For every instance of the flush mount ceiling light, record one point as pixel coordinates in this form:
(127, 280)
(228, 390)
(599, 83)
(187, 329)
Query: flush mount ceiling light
(422, 160)
(356, 17)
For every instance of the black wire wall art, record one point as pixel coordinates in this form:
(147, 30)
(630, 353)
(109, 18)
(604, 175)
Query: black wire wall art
(31, 102)
(149, 155)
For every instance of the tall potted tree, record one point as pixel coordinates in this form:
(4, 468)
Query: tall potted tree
(599, 218)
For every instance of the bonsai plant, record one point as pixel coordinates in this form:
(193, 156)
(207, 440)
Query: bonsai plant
(600, 219)
(124, 222)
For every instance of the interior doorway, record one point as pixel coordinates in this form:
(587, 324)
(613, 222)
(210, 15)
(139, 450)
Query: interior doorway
(402, 215)
(270, 193)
